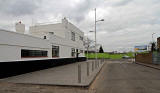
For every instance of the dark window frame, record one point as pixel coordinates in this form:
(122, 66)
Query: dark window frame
(73, 52)
(55, 49)
(27, 53)
(81, 38)
(73, 36)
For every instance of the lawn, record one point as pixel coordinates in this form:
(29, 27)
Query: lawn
(109, 56)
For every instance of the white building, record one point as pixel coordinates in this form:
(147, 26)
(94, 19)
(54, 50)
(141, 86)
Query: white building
(61, 40)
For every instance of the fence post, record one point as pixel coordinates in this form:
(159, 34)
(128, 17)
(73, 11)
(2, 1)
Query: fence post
(87, 68)
(101, 61)
(79, 73)
(95, 64)
(98, 63)
(92, 66)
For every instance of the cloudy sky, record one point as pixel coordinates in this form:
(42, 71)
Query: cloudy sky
(127, 22)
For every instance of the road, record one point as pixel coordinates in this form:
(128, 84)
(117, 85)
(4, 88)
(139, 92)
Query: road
(125, 77)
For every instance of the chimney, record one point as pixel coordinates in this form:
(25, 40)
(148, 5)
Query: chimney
(20, 28)
(65, 22)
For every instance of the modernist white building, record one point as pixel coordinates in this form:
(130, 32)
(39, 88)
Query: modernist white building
(61, 40)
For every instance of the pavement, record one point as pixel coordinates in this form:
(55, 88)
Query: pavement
(126, 77)
(28, 88)
(149, 65)
(66, 75)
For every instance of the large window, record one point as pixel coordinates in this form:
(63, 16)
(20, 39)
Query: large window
(73, 52)
(33, 53)
(55, 51)
(73, 36)
(81, 38)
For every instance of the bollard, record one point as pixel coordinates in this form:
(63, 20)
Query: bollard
(79, 73)
(95, 64)
(87, 68)
(98, 63)
(92, 66)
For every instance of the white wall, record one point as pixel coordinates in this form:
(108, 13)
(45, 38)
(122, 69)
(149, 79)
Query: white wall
(11, 44)
(62, 33)
(65, 51)
(62, 36)
(8, 53)
(13, 38)
(66, 45)
(41, 30)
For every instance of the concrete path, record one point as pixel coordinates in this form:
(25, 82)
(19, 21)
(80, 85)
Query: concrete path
(125, 77)
(62, 75)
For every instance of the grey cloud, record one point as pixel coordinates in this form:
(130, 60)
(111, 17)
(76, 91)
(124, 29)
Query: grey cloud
(18, 7)
(80, 10)
(70, 9)
(128, 21)
(78, 13)
(122, 2)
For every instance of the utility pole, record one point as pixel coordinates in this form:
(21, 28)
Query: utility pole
(95, 37)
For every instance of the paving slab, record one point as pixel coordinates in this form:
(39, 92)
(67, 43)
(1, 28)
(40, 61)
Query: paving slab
(61, 75)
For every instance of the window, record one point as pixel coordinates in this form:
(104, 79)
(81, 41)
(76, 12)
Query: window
(52, 33)
(81, 51)
(81, 38)
(33, 53)
(73, 52)
(55, 51)
(44, 37)
(73, 36)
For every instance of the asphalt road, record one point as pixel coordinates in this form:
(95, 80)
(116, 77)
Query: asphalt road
(125, 77)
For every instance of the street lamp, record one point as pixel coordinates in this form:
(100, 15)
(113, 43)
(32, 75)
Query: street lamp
(100, 20)
(91, 31)
(95, 33)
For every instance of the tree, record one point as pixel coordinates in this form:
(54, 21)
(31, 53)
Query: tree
(88, 43)
(153, 46)
(101, 50)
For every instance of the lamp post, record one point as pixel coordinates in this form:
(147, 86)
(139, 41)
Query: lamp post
(95, 33)
(87, 46)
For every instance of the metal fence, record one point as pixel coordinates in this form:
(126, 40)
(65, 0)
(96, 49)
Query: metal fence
(156, 57)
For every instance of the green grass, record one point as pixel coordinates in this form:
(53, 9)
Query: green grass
(108, 56)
